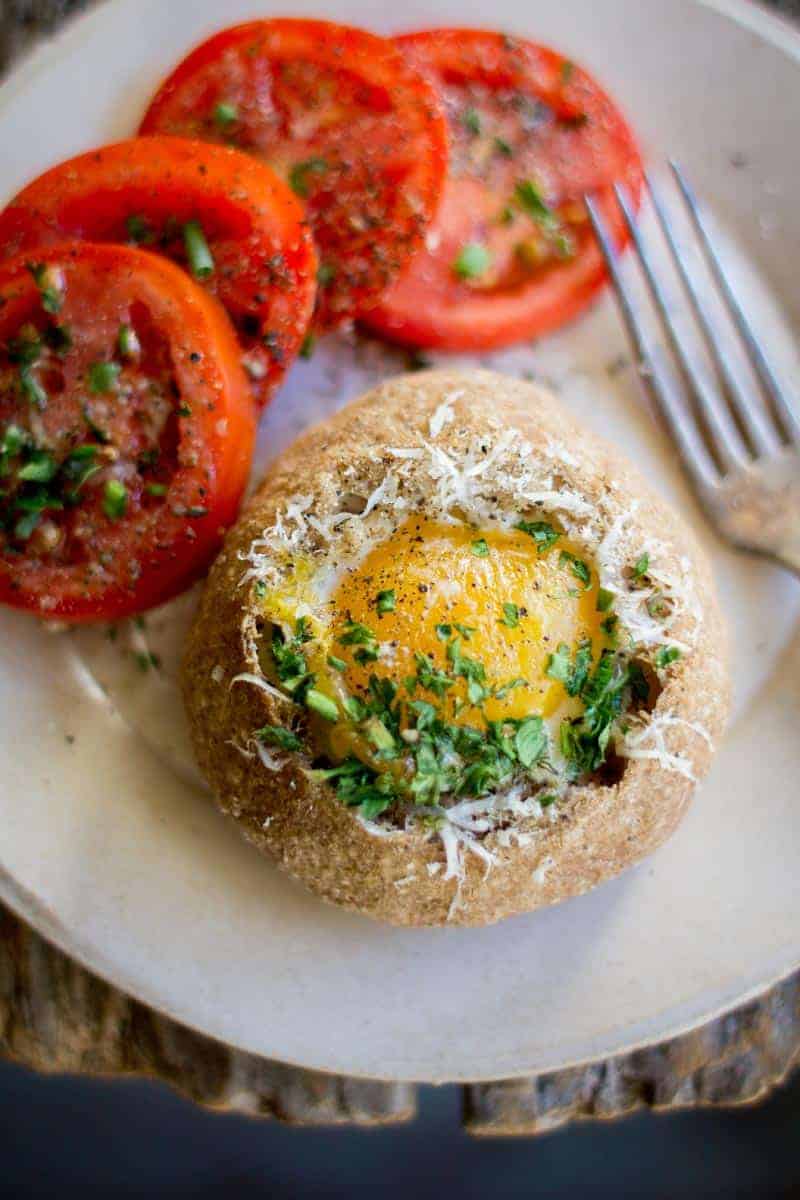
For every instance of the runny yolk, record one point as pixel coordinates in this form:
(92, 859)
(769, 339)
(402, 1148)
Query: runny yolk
(452, 574)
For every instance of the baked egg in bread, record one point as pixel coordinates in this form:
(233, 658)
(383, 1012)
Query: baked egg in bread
(456, 661)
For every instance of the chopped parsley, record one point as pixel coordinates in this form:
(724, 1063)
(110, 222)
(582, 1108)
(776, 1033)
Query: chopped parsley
(138, 229)
(472, 261)
(50, 283)
(104, 377)
(667, 655)
(510, 615)
(225, 115)
(577, 566)
(471, 120)
(386, 601)
(115, 499)
(480, 548)
(641, 566)
(356, 634)
(276, 735)
(301, 174)
(605, 600)
(542, 532)
(322, 705)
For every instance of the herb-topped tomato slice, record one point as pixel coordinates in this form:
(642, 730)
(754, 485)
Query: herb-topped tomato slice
(126, 431)
(234, 225)
(341, 115)
(511, 254)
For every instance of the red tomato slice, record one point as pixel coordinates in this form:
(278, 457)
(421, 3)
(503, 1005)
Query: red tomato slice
(342, 116)
(262, 264)
(126, 431)
(511, 254)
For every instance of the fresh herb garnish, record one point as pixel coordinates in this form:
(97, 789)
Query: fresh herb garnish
(480, 548)
(115, 499)
(577, 566)
(104, 377)
(641, 566)
(198, 251)
(386, 601)
(301, 173)
(605, 600)
(542, 533)
(471, 120)
(472, 261)
(225, 115)
(138, 229)
(276, 735)
(510, 615)
(50, 283)
(667, 655)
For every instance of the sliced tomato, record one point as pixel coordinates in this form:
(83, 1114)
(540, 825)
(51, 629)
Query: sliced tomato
(342, 116)
(150, 191)
(126, 431)
(511, 254)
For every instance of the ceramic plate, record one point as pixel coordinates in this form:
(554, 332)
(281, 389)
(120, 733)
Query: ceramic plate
(109, 845)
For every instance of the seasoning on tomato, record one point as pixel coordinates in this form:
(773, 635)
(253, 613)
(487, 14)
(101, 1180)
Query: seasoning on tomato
(511, 254)
(126, 431)
(340, 114)
(229, 220)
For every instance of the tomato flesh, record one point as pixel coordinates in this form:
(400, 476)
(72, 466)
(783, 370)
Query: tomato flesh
(337, 112)
(126, 431)
(511, 254)
(146, 191)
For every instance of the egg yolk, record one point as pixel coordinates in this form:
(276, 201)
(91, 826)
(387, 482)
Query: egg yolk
(515, 605)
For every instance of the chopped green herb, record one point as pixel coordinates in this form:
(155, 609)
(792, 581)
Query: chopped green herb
(41, 467)
(480, 548)
(322, 705)
(326, 274)
(386, 601)
(531, 741)
(605, 600)
(138, 229)
(301, 173)
(577, 566)
(641, 566)
(104, 377)
(128, 343)
(531, 200)
(115, 499)
(471, 120)
(307, 347)
(32, 389)
(503, 147)
(559, 665)
(198, 252)
(276, 735)
(156, 489)
(667, 655)
(338, 664)
(260, 589)
(50, 283)
(510, 615)
(225, 115)
(473, 260)
(542, 533)
(26, 525)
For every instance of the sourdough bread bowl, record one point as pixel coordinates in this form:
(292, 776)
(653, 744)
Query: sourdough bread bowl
(456, 661)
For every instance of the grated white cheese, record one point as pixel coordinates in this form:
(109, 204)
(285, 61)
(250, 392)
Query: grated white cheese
(260, 682)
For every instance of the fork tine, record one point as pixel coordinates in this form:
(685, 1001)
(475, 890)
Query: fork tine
(678, 420)
(754, 425)
(785, 416)
(725, 441)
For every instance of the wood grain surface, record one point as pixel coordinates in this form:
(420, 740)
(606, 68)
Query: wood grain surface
(57, 1017)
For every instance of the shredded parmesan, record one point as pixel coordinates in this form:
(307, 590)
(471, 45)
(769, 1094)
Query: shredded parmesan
(260, 682)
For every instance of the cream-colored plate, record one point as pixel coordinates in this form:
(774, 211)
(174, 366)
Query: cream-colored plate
(109, 845)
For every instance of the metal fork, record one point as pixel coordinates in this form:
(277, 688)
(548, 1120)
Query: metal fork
(739, 442)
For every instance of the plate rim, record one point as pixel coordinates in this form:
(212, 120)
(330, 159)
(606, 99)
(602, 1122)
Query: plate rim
(780, 32)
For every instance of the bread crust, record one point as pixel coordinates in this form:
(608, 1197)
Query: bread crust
(593, 834)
